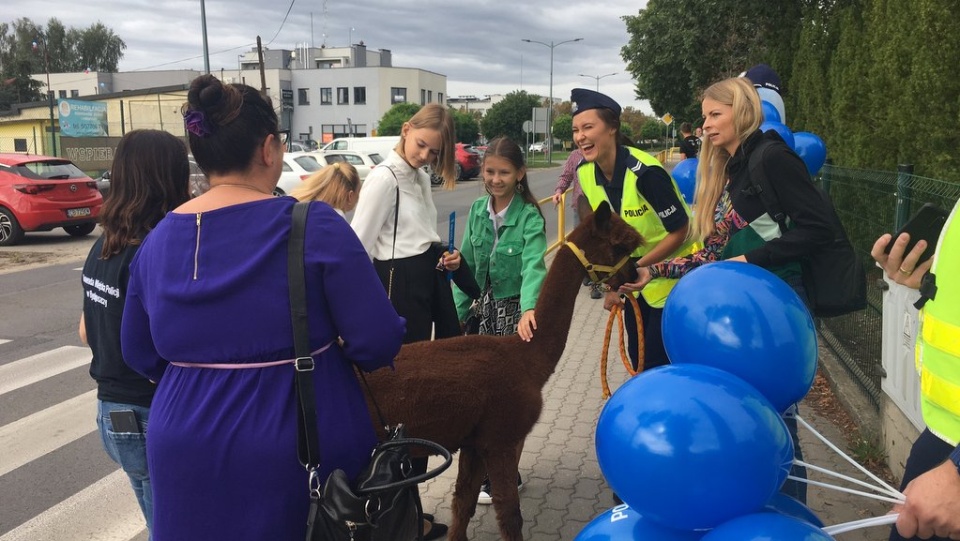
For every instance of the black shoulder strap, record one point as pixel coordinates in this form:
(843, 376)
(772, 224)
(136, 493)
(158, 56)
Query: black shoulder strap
(761, 187)
(308, 441)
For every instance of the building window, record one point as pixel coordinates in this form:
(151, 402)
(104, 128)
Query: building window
(74, 93)
(398, 95)
(423, 96)
(63, 93)
(19, 145)
(429, 96)
(303, 96)
(359, 95)
(439, 97)
(326, 96)
(343, 95)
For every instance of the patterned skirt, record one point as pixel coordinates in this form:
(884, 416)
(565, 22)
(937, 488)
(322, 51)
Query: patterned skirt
(499, 317)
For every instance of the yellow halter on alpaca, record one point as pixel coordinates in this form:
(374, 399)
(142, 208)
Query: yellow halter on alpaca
(593, 269)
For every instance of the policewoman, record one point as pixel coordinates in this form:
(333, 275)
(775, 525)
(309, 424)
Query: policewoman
(931, 477)
(643, 193)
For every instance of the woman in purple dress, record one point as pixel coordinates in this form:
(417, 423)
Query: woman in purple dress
(207, 316)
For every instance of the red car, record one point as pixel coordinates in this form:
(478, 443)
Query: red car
(468, 162)
(40, 193)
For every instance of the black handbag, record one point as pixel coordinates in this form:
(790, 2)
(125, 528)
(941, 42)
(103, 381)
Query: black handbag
(384, 503)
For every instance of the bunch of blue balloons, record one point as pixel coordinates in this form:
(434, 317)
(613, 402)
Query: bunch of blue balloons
(808, 146)
(698, 449)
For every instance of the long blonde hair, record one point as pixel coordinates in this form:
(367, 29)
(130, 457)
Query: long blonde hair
(332, 185)
(437, 117)
(738, 93)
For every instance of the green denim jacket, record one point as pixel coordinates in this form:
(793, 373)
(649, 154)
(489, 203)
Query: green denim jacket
(516, 267)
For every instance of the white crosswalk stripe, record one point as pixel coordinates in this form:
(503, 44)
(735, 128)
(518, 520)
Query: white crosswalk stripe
(41, 366)
(104, 510)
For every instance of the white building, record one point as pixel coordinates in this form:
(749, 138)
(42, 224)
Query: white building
(320, 93)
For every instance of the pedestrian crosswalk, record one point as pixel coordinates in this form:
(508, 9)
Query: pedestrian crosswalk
(48, 451)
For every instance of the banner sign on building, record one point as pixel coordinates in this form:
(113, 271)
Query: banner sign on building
(82, 118)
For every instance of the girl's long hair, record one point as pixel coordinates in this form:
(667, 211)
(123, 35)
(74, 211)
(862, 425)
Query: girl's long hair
(506, 148)
(738, 93)
(332, 185)
(437, 117)
(148, 178)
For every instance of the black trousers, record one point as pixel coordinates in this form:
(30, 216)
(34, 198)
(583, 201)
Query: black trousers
(654, 354)
(927, 453)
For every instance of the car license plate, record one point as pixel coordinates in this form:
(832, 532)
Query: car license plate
(77, 213)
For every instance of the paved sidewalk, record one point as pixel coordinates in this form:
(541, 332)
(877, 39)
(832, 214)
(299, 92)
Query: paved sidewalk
(563, 487)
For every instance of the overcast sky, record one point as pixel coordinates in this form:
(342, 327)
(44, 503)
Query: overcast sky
(475, 43)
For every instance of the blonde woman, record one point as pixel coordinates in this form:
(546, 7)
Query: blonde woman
(337, 185)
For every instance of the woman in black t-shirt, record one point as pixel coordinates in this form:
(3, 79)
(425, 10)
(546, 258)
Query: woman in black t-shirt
(149, 177)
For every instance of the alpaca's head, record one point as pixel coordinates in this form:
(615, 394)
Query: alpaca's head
(605, 239)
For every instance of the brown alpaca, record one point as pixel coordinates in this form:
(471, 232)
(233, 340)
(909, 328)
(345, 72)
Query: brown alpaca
(482, 394)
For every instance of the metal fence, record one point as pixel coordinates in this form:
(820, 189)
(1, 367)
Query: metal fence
(871, 203)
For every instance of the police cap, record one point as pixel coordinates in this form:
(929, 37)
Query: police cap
(583, 99)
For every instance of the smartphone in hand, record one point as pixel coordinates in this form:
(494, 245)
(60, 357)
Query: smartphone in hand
(924, 225)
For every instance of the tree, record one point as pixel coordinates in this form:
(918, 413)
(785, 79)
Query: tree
(466, 125)
(651, 130)
(563, 127)
(27, 49)
(508, 115)
(393, 119)
(679, 47)
(633, 118)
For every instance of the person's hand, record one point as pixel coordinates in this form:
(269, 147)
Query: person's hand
(451, 262)
(643, 278)
(738, 259)
(611, 299)
(902, 269)
(556, 198)
(528, 324)
(933, 504)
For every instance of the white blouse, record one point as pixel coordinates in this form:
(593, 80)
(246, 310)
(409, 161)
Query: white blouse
(374, 216)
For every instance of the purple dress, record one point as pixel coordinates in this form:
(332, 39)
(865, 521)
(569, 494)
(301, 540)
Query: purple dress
(212, 288)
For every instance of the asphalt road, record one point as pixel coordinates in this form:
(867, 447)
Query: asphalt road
(55, 480)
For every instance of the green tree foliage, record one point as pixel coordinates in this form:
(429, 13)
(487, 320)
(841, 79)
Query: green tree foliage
(506, 117)
(466, 125)
(679, 47)
(28, 49)
(393, 119)
(651, 130)
(633, 118)
(563, 127)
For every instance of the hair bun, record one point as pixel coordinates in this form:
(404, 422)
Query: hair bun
(220, 102)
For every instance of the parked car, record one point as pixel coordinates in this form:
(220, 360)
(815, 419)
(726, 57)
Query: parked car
(382, 145)
(40, 193)
(296, 167)
(301, 146)
(362, 161)
(468, 161)
(198, 180)
(538, 147)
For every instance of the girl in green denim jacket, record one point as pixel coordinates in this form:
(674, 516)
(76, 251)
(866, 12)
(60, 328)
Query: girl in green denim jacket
(506, 259)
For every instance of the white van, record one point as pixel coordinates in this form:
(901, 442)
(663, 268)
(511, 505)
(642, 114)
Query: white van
(380, 145)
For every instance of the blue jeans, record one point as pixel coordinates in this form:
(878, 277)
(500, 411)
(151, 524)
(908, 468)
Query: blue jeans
(795, 489)
(129, 450)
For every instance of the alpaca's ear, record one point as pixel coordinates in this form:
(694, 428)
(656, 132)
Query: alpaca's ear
(601, 216)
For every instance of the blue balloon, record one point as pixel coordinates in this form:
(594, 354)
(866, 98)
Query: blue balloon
(773, 97)
(764, 527)
(785, 505)
(811, 150)
(770, 112)
(780, 128)
(743, 319)
(685, 173)
(623, 523)
(691, 446)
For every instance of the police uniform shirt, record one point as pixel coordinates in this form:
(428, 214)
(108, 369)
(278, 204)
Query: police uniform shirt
(654, 183)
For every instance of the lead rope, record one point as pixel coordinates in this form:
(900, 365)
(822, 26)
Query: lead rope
(616, 313)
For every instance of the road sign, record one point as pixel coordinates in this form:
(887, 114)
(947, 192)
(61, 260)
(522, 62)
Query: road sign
(527, 126)
(667, 119)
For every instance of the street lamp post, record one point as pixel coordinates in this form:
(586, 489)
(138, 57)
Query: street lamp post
(551, 46)
(46, 67)
(598, 77)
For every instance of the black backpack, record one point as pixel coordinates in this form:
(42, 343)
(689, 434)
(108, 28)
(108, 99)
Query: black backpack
(833, 276)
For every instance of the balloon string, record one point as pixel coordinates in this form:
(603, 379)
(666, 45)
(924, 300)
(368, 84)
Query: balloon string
(862, 523)
(848, 490)
(881, 490)
(856, 464)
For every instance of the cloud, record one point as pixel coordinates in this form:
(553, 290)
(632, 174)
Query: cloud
(475, 44)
